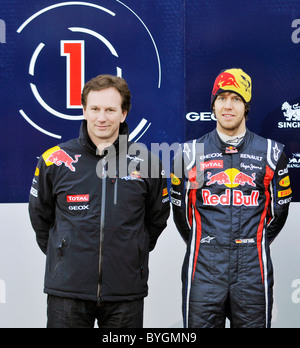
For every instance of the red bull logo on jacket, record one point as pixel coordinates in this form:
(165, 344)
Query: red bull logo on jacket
(58, 157)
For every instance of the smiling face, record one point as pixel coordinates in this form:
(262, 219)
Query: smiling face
(229, 109)
(104, 114)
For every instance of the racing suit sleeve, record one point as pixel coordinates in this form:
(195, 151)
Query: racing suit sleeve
(178, 194)
(281, 196)
(157, 207)
(41, 204)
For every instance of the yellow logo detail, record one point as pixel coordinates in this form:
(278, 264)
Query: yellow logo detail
(48, 153)
(175, 180)
(285, 182)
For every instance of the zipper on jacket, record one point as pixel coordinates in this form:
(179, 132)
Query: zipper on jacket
(61, 245)
(102, 222)
(116, 189)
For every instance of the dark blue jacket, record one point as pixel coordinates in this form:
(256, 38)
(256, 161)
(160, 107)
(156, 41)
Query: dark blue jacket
(97, 229)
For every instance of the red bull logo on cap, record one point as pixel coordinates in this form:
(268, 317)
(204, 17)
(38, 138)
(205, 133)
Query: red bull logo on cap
(233, 80)
(58, 157)
(225, 79)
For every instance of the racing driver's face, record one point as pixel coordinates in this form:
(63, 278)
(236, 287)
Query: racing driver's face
(104, 115)
(229, 109)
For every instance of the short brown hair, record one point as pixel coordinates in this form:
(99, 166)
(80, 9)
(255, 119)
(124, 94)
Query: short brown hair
(107, 81)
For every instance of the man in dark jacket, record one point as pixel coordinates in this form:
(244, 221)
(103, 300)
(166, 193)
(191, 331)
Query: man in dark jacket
(230, 193)
(97, 214)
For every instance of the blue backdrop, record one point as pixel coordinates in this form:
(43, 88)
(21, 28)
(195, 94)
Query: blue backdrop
(169, 51)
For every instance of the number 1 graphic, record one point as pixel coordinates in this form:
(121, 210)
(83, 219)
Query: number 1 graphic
(74, 52)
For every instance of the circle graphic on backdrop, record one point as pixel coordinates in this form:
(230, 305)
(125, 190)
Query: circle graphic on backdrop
(75, 55)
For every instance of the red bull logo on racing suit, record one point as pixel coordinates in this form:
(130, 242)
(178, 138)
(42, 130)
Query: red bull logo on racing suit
(243, 179)
(231, 178)
(221, 178)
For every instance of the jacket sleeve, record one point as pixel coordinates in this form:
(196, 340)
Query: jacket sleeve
(180, 195)
(157, 206)
(281, 196)
(41, 204)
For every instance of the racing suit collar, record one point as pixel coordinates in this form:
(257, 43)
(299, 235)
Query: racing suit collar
(90, 146)
(230, 149)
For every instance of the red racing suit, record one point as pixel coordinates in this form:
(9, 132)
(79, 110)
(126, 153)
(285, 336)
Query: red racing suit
(229, 204)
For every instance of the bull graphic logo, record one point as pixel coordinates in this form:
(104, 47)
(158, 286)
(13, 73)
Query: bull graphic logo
(246, 83)
(231, 178)
(60, 156)
(225, 79)
(243, 179)
(221, 178)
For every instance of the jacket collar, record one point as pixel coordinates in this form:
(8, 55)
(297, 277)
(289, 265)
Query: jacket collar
(230, 149)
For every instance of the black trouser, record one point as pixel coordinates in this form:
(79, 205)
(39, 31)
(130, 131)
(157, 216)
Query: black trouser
(70, 313)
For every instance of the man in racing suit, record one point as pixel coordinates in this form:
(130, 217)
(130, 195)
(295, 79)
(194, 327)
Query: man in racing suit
(97, 214)
(230, 195)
